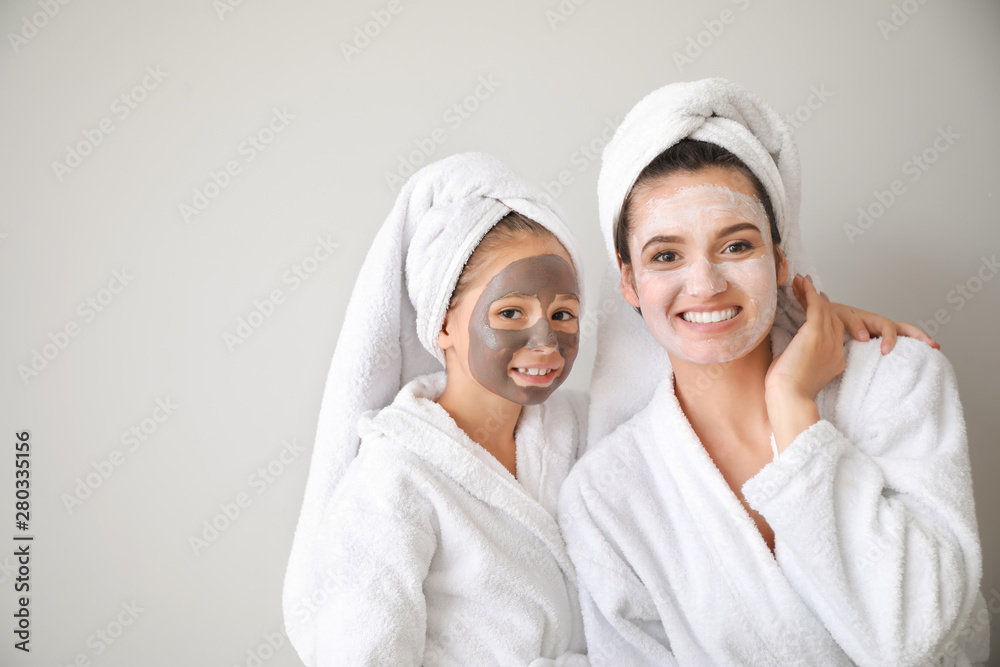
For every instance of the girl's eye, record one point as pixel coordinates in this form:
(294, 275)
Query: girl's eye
(738, 247)
(563, 315)
(665, 256)
(510, 313)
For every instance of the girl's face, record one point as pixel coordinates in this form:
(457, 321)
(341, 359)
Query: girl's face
(516, 331)
(703, 266)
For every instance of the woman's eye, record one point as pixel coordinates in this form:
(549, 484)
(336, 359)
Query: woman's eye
(563, 315)
(510, 313)
(738, 246)
(665, 256)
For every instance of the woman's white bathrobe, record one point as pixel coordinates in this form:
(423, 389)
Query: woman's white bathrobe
(877, 558)
(441, 556)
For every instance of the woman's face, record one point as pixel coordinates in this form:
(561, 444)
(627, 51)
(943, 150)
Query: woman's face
(516, 331)
(703, 266)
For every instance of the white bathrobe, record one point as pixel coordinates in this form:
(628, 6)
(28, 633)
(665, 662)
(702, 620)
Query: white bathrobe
(877, 558)
(442, 557)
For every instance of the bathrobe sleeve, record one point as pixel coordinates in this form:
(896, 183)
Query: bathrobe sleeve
(621, 622)
(381, 535)
(873, 519)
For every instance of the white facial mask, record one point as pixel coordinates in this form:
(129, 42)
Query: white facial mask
(703, 274)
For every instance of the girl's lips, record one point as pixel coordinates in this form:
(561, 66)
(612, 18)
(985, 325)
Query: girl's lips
(535, 375)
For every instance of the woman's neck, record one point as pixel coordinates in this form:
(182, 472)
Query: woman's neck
(726, 399)
(488, 419)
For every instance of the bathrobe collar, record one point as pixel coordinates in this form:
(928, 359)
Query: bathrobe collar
(416, 421)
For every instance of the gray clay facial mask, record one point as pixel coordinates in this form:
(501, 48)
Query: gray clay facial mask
(491, 350)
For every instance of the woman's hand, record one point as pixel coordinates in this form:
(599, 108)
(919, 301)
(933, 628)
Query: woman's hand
(862, 324)
(813, 358)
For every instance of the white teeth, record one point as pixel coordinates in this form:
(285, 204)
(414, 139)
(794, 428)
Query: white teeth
(535, 371)
(713, 316)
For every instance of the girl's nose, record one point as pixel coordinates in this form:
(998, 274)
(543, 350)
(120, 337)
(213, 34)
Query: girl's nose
(705, 279)
(541, 335)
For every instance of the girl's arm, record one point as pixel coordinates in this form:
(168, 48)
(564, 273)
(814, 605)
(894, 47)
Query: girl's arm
(377, 614)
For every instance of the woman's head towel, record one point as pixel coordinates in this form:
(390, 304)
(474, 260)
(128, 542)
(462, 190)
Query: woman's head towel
(630, 363)
(390, 331)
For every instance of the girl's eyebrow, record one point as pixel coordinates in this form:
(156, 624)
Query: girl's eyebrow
(515, 294)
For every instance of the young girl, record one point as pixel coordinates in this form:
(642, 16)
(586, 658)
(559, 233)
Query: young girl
(438, 544)
(756, 500)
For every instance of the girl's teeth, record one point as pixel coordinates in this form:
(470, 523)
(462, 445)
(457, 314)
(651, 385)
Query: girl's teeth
(713, 316)
(535, 371)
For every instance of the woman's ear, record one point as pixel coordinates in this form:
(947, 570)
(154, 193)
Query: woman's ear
(627, 283)
(781, 265)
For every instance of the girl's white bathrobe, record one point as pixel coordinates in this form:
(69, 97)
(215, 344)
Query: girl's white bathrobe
(441, 556)
(877, 558)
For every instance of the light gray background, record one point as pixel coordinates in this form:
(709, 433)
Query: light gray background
(561, 83)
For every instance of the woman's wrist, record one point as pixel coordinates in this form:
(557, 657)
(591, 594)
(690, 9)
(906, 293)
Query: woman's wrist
(790, 413)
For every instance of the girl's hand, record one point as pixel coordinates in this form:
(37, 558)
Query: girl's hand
(813, 358)
(862, 324)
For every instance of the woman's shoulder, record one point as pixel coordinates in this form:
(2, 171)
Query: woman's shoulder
(911, 365)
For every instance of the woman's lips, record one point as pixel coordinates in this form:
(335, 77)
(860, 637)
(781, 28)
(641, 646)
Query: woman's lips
(709, 320)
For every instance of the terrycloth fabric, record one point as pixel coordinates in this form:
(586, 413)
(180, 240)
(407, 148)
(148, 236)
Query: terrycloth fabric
(719, 112)
(389, 334)
(442, 557)
(877, 559)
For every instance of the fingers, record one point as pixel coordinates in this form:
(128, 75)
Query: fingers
(912, 331)
(853, 322)
(888, 338)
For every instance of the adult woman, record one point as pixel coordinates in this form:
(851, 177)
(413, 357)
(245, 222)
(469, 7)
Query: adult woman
(753, 501)
(431, 538)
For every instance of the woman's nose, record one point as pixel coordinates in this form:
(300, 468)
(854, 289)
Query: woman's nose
(705, 279)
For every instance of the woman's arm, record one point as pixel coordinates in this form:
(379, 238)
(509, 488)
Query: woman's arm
(874, 522)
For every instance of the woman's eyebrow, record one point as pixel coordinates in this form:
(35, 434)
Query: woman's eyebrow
(739, 227)
(660, 238)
